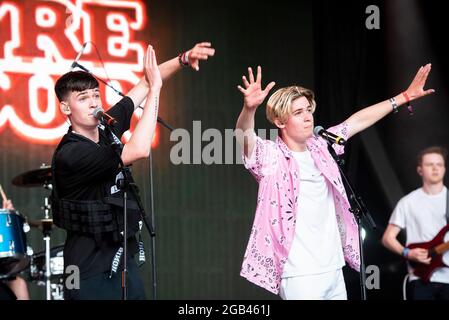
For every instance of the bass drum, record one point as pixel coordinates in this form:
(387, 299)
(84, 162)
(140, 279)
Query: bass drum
(13, 248)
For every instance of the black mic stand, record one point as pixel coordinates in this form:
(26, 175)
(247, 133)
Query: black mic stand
(359, 211)
(122, 184)
(149, 222)
(125, 184)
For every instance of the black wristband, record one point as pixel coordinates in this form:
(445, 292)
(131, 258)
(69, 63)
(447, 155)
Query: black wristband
(181, 60)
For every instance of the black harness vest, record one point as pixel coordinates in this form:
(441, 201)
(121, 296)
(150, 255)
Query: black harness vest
(96, 218)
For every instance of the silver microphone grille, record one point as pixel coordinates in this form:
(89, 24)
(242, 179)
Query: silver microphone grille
(317, 130)
(97, 112)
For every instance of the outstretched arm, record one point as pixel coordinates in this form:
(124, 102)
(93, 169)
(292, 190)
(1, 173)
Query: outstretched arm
(201, 51)
(253, 96)
(139, 145)
(366, 117)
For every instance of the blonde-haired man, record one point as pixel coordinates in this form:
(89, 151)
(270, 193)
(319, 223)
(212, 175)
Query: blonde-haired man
(303, 230)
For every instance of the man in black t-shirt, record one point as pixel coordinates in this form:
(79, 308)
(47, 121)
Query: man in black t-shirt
(86, 166)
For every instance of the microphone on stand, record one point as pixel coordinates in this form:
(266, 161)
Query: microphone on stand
(329, 136)
(78, 56)
(99, 114)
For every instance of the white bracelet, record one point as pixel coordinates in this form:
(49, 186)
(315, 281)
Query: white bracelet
(394, 105)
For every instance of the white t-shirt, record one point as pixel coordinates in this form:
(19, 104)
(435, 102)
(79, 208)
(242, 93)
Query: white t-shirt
(316, 246)
(422, 216)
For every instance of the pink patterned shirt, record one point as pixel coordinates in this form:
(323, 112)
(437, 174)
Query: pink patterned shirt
(277, 173)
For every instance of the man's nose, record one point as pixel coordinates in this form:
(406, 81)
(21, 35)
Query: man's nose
(93, 102)
(309, 117)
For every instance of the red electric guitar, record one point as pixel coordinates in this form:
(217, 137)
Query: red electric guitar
(436, 248)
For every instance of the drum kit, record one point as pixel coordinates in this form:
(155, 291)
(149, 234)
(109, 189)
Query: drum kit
(44, 268)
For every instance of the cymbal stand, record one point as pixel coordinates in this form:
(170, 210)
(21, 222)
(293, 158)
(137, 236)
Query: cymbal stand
(46, 230)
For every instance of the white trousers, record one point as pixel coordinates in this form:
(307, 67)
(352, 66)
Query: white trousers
(322, 286)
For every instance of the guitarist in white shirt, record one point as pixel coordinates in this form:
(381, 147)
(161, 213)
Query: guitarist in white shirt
(422, 214)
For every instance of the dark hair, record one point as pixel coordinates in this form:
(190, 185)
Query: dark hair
(435, 149)
(74, 81)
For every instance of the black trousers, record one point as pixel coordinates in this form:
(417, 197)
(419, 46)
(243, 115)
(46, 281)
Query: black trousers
(5, 292)
(103, 287)
(418, 290)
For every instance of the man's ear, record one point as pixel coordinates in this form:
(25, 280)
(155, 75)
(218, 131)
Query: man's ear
(279, 124)
(64, 107)
(419, 170)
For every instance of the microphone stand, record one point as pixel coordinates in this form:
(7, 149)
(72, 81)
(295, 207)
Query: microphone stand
(149, 222)
(359, 211)
(125, 184)
(122, 184)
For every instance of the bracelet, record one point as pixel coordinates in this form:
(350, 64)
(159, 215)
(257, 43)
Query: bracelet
(394, 105)
(186, 57)
(182, 60)
(405, 252)
(407, 99)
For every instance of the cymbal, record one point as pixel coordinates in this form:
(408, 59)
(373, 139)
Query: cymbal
(34, 178)
(41, 224)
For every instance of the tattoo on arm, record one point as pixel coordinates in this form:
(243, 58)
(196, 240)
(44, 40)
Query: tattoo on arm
(156, 104)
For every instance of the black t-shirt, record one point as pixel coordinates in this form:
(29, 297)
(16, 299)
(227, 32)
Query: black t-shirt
(83, 169)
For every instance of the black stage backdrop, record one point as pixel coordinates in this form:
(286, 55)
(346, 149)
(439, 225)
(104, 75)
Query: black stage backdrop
(204, 213)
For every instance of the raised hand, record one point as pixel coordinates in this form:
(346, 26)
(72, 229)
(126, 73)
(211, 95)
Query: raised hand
(253, 95)
(416, 89)
(152, 74)
(201, 51)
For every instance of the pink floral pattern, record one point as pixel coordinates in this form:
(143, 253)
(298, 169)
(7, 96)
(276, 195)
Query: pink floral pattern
(274, 168)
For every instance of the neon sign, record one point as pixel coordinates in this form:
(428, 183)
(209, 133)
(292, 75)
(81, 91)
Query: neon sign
(38, 42)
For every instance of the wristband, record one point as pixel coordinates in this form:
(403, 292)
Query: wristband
(181, 59)
(394, 105)
(407, 99)
(405, 252)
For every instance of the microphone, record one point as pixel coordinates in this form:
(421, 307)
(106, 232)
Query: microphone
(99, 114)
(329, 136)
(78, 56)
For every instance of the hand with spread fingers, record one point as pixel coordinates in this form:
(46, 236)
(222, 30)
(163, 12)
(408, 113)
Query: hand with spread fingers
(253, 95)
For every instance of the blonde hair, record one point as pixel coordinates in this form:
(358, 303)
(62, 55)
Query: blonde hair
(280, 102)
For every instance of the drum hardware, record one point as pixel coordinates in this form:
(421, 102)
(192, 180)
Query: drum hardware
(41, 224)
(41, 177)
(46, 231)
(38, 269)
